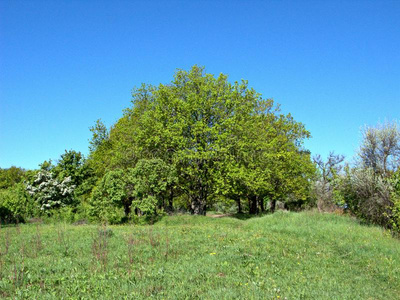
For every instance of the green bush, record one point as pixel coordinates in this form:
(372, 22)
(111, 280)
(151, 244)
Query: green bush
(151, 178)
(67, 214)
(105, 204)
(395, 217)
(141, 189)
(16, 205)
(395, 207)
(371, 197)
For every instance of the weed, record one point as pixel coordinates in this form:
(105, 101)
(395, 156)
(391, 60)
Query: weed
(7, 243)
(166, 242)
(18, 274)
(105, 231)
(1, 267)
(37, 242)
(100, 246)
(62, 241)
(153, 240)
(17, 228)
(131, 245)
(1, 258)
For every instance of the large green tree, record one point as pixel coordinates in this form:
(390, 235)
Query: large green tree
(222, 138)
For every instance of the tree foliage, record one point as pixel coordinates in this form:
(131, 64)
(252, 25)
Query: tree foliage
(16, 205)
(189, 144)
(73, 165)
(109, 197)
(221, 138)
(151, 179)
(11, 176)
(380, 148)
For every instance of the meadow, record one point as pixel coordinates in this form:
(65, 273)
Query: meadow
(286, 255)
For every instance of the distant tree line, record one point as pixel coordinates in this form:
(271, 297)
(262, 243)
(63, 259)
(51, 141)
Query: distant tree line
(202, 143)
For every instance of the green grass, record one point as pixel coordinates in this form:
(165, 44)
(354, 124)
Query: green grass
(285, 255)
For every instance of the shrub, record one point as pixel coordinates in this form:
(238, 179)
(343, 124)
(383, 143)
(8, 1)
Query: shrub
(106, 202)
(151, 178)
(372, 201)
(142, 189)
(395, 208)
(16, 205)
(68, 214)
(322, 195)
(49, 192)
(324, 190)
(395, 215)
(105, 212)
(369, 196)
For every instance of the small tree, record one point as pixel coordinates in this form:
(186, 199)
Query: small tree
(49, 192)
(371, 188)
(15, 204)
(142, 189)
(372, 196)
(72, 164)
(109, 201)
(380, 148)
(323, 187)
(151, 179)
(10, 176)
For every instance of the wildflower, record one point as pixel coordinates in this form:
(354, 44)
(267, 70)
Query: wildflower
(213, 253)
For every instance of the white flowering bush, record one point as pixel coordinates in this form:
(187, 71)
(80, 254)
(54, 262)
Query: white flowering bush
(49, 192)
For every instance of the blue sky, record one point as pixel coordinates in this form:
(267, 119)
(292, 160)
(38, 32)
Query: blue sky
(334, 65)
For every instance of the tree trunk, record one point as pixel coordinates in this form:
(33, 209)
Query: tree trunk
(127, 206)
(138, 212)
(253, 209)
(261, 203)
(199, 199)
(273, 205)
(198, 207)
(171, 200)
(239, 206)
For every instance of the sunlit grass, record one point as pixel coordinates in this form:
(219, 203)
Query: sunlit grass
(285, 255)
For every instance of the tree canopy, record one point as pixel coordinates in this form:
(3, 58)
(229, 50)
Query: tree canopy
(221, 138)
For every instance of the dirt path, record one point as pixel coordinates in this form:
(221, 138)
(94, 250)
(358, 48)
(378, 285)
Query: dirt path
(220, 216)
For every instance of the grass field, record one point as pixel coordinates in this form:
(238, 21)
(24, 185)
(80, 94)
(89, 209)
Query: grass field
(281, 256)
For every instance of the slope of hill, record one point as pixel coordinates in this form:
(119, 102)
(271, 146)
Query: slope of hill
(281, 256)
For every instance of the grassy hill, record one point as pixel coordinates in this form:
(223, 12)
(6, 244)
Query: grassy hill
(281, 256)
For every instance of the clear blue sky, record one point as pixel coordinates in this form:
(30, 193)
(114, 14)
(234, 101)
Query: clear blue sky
(335, 65)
